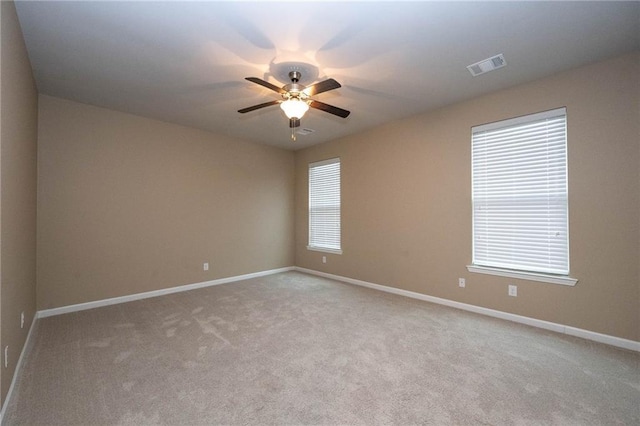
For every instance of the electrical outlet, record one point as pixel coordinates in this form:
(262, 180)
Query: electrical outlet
(462, 282)
(6, 356)
(513, 290)
(22, 319)
(205, 266)
(324, 259)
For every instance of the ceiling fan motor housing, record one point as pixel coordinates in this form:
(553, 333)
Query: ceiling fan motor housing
(295, 76)
(294, 89)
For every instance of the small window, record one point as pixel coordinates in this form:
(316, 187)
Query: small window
(324, 206)
(520, 194)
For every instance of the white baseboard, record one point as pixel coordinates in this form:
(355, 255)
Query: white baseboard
(155, 293)
(559, 328)
(572, 331)
(17, 370)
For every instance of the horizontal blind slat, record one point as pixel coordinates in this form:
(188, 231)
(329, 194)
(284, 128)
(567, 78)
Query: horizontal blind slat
(519, 194)
(324, 204)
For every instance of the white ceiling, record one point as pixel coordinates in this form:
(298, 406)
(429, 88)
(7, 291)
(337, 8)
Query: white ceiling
(185, 62)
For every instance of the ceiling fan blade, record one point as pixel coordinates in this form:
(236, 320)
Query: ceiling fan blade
(330, 109)
(323, 86)
(255, 107)
(266, 84)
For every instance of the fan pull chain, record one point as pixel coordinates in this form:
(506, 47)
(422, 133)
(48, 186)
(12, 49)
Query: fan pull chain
(293, 134)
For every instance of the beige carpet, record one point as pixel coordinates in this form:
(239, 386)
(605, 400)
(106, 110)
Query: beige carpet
(297, 349)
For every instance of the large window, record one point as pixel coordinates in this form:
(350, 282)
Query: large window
(324, 206)
(519, 191)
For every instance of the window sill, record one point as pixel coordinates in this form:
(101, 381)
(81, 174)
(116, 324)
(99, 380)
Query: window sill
(324, 250)
(531, 276)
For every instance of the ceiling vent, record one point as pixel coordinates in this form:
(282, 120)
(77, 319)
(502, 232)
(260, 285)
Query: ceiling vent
(487, 65)
(305, 131)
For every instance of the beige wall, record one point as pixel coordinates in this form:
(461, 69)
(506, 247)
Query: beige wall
(406, 201)
(128, 205)
(18, 137)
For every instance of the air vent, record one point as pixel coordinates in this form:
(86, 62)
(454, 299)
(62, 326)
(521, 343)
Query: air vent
(305, 131)
(487, 65)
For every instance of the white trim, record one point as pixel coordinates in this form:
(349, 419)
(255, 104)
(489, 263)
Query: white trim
(325, 162)
(528, 118)
(138, 296)
(559, 328)
(18, 366)
(324, 249)
(531, 276)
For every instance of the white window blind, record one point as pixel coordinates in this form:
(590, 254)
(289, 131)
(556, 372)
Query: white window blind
(520, 196)
(324, 205)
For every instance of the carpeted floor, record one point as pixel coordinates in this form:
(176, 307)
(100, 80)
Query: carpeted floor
(298, 349)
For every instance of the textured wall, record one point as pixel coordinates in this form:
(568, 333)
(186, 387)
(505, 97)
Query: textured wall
(18, 144)
(406, 201)
(128, 204)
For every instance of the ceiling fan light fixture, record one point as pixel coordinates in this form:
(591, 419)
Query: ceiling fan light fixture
(294, 108)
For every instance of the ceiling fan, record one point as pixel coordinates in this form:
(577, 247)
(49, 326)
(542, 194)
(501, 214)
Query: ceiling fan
(296, 98)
